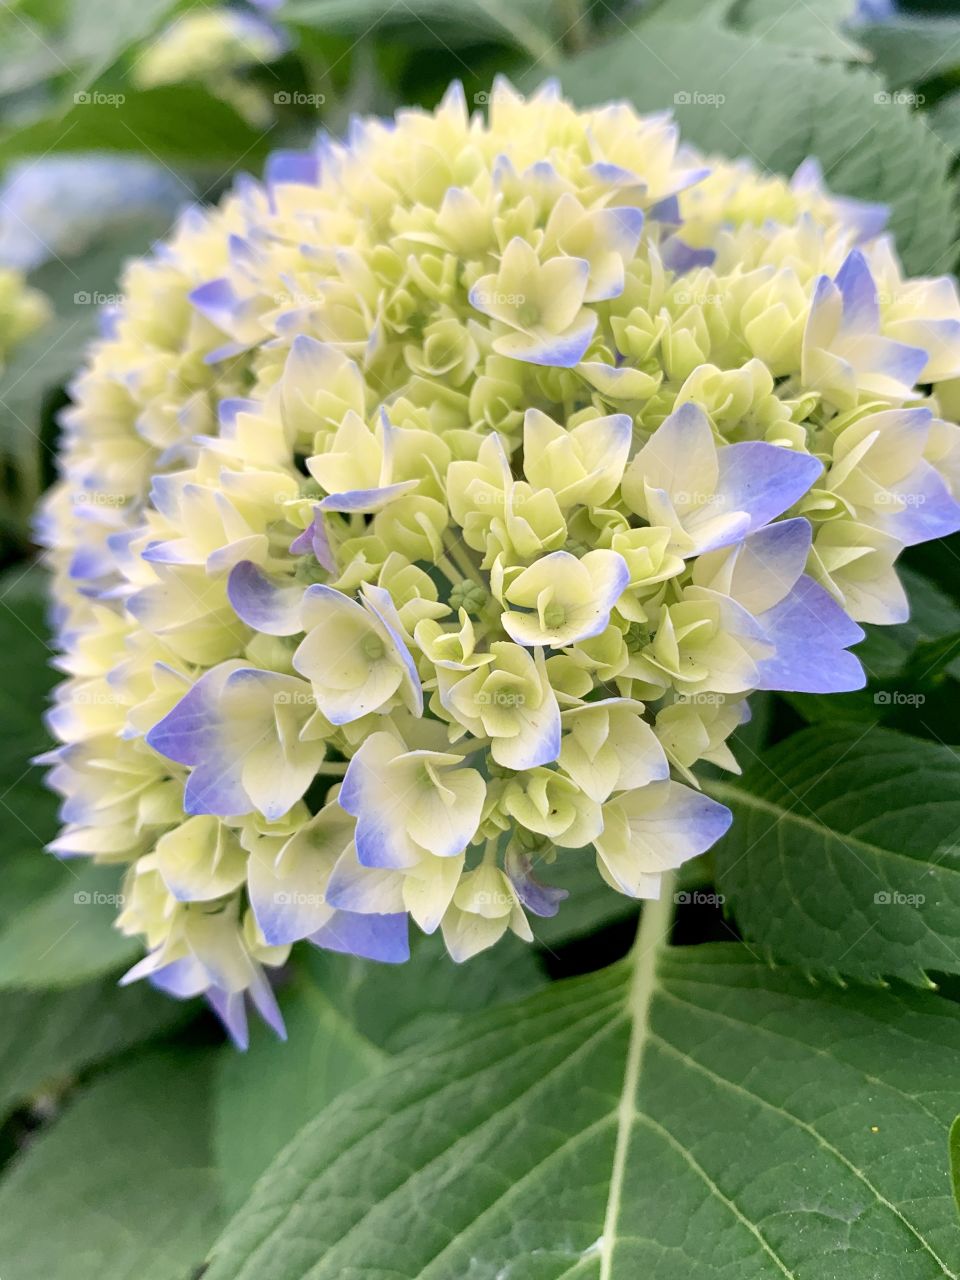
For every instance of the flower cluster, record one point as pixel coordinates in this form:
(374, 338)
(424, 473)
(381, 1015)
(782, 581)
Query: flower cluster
(57, 206)
(205, 43)
(215, 46)
(23, 310)
(429, 511)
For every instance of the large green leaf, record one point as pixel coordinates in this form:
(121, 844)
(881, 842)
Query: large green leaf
(345, 1018)
(75, 46)
(27, 807)
(182, 124)
(46, 1037)
(933, 616)
(99, 32)
(741, 96)
(695, 1114)
(944, 120)
(844, 855)
(817, 26)
(910, 51)
(122, 1186)
(264, 1097)
(398, 1006)
(66, 935)
(523, 23)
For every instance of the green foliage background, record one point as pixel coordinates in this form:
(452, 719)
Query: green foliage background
(764, 1086)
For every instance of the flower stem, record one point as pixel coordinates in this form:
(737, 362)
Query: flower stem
(464, 562)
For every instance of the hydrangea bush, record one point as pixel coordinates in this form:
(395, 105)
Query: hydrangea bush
(430, 510)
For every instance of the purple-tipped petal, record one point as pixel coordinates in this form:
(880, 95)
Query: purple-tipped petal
(383, 938)
(292, 166)
(861, 306)
(190, 733)
(769, 563)
(541, 899)
(216, 787)
(265, 1003)
(763, 480)
(217, 301)
(314, 538)
(811, 633)
(925, 510)
(366, 501)
(268, 606)
(231, 1009)
(380, 603)
(680, 257)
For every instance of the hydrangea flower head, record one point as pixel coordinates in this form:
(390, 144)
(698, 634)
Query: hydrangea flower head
(443, 513)
(211, 42)
(59, 205)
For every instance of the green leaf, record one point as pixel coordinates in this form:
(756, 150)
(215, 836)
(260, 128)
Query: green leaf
(522, 23)
(77, 46)
(399, 1006)
(27, 807)
(695, 1114)
(944, 119)
(844, 855)
(264, 1097)
(592, 904)
(46, 1037)
(816, 26)
(933, 616)
(26, 676)
(955, 1160)
(174, 123)
(122, 1185)
(345, 1019)
(56, 917)
(66, 936)
(99, 32)
(778, 107)
(910, 51)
